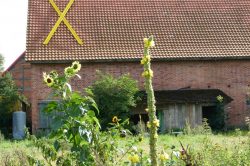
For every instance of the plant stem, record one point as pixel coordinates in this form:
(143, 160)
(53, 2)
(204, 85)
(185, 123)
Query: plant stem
(150, 102)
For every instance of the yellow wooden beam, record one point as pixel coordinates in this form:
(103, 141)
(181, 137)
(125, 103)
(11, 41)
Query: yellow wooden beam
(62, 18)
(73, 32)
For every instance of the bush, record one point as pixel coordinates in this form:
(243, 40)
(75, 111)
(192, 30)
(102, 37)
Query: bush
(114, 96)
(1, 137)
(9, 98)
(218, 118)
(200, 129)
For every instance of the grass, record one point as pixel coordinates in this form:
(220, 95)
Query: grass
(15, 152)
(233, 149)
(195, 141)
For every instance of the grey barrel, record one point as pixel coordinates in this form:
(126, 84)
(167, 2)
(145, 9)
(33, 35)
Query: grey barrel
(19, 125)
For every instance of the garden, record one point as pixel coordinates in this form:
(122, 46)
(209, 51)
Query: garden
(83, 133)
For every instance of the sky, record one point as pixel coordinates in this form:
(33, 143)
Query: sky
(13, 23)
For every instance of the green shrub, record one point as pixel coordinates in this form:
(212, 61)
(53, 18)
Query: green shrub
(9, 98)
(10, 101)
(247, 121)
(1, 137)
(114, 96)
(218, 118)
(200, 129)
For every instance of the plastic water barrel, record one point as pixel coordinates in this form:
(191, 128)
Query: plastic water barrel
(19, 125)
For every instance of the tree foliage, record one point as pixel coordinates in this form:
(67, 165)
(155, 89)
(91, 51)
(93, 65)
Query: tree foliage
(114, 96)
(1, 63)
(9, 100)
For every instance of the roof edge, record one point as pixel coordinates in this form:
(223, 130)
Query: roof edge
(138, 59)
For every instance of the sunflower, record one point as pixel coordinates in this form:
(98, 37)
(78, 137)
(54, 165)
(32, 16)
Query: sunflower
(69, 72)
(48, 80)
(53, 74)
(115, 119)
(76, 66)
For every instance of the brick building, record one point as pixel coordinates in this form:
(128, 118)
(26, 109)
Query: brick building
(200, 45)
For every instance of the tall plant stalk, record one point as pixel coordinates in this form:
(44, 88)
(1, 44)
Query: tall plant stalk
(153, 123)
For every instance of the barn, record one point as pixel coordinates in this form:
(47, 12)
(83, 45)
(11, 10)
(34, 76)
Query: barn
(202, 51)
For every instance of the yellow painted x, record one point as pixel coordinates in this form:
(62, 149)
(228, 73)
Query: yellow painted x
(60, 19)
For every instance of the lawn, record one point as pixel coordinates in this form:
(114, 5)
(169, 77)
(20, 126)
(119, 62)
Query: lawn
(221, 149)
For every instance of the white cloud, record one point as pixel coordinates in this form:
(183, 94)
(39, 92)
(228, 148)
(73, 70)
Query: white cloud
(13, 23)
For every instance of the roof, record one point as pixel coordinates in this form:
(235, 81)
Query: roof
(189, 96)
(114, 29)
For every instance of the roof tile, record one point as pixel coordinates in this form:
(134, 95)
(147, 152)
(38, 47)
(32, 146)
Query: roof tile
(114, 29)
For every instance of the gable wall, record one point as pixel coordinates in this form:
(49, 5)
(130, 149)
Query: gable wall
(21, 73)
(231, 76)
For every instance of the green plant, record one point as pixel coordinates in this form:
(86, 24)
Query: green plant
(114, 96)
(153, 123)
(187, 128)
(219, 116)
(1, 137)
(220, 149)
(140, 128)
(238, 131)
(78, 127)
(1, 63)
(247, 120)
(15, 158)
(10, 101)
(204, 128)
(218, 154)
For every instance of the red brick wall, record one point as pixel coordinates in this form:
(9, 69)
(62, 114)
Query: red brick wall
(231, 76)
(21, 73)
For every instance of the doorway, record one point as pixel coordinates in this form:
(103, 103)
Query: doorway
(210, 112)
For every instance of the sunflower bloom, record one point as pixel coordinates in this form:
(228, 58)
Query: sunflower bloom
(53, 74)
(115, 119)
(69, 72)
(76, 66)
(48, 80)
